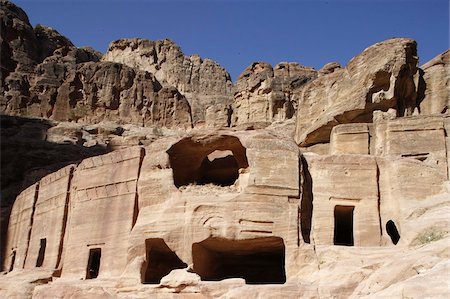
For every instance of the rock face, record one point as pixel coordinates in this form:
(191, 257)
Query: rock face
(383, 76)
(274, 216)
(265, 94)
(116, 195)
(436, 85)
(205, 84)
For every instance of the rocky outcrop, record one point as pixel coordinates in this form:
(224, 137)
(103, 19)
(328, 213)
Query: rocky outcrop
(435, 88)
(383, 76)
(265, 94)
(205, 84)
(95, 92)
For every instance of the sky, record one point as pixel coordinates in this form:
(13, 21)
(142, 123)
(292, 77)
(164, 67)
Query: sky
(237, 33)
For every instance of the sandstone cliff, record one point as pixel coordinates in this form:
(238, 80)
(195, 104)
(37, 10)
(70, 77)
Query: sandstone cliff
(205, 84)
(265, 94)
(119, 179)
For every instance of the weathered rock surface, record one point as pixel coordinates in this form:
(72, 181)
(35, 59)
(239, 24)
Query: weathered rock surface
(383, 76)
(205, 84)
(265, 94)
(128, 201)
(435, 87)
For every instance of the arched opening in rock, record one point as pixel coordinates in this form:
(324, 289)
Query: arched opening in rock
(160, 261)
(41, 255)
(258, 261)
(13, 260)
(343, 225)
(93, 267)
(214, 159)
(392, 231)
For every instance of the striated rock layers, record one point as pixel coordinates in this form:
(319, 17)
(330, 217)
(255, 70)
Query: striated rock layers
(265, 94)
(205, 84)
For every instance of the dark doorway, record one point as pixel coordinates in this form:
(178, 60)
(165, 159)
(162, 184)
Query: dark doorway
(93, 267)
(160, 261)
(41, 255)
(13, 260)
(258, 261)
(392, 231)
(222, 171)
(343, 225)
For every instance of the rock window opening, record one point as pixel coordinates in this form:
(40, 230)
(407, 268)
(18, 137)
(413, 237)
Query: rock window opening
(258, 261)
(93, 267)
(343, 225)
(41, 255)
(207, 160)
(160, 261)
(219, 168)
(392, 231)
(13, 260)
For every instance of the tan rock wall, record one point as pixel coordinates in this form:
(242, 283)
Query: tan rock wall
(344, 180)
(20, 223)
(103, 210)
(436, 85)
(49, 219)
(350, 139)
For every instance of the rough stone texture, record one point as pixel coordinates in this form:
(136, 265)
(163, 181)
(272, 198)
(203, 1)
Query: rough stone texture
(436, 85)
(350, 139)
(220, 213)
(49, 220)
(103, 210)
(205, 84)
(383, 76)
(19, 228)
(181, 228)
(265, 94)
(334, 185)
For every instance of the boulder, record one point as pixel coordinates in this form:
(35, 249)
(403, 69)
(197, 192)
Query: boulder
(383, 76)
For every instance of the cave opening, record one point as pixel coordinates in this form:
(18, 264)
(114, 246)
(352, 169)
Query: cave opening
(258, 261)
(93, 267)
(41, 254)
(343, 225)
(160, 260)
(392, 231)
(214, 159)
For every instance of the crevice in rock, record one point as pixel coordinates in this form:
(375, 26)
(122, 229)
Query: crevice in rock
(30, 225)
(306, 204)
(64, 222)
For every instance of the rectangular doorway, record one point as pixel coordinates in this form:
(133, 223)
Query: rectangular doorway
(343, 225)
(93, 267)
(41, 254)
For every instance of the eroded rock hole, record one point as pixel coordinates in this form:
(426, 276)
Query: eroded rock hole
(41, 255)
(343, 225)
(392, 231)
(207, 160)
(258, 261)
(93, 267)
(219, 170)
(160, 261)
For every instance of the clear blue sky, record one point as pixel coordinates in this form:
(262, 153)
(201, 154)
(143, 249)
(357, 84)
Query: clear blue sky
(237, 33)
